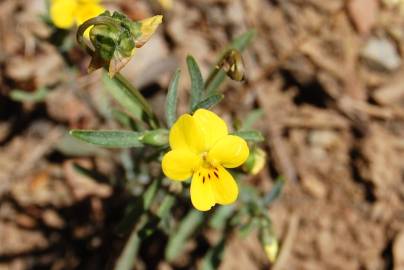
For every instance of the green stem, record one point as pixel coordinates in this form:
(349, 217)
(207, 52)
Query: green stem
(142, 101)
(230, 64)
(217, 75)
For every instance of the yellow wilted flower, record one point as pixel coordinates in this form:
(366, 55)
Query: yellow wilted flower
(66, 13)
(148, 27)
(202, 148)
(115, 38)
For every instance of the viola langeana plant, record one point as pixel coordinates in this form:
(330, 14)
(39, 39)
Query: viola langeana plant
(201, 147)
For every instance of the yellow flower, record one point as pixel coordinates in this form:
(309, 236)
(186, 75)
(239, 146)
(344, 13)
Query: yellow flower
(202, 148)
(66, 13)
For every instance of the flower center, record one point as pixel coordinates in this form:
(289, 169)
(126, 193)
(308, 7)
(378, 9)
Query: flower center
(207, 171)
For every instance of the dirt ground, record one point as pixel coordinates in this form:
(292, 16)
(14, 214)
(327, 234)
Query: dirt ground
(327, 74)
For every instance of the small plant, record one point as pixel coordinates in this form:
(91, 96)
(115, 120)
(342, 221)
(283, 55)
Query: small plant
(196, 145)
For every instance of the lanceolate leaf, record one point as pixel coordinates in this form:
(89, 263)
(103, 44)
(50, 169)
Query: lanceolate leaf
(220, 216)
(251, 118)
(196, 81)
(252, 136)
(140, 206)
(124, 119)
(171, 103)
(109, 138)
(208, 102)
(150, 193)
(187, 227)
(127, 258)
(214, 81)
(241, 42)
(124, 96)
(213, 258)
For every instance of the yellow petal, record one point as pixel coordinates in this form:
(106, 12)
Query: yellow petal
(230, 152)
(180, 164)
(88, 11)
(202, 196)
(213, 127)
(224, 186)
(186, 134)
(88, 1)
(62, 13)
(147, 28)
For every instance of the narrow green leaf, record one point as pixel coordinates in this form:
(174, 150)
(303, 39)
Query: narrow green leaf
(217, 76)
(213, 258)
(187, 227)
(71, 146)
(123, 96)
(247, 228)
(109, 138)
(125, 119)
(220, 216)
(132, 214)
(22, 96)
(164, 211)
(214, 81)
(127, 258)
(141, 205)
(241, 42)
(196, 81)
(171, 102)
(249, 194)
(208, 102)
(150, 193)
(166, 205)
(275, 191)
(251, 118)
(250, 135)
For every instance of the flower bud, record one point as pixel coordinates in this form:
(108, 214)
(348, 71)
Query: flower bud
(156, 137)
(232, 64)
(271, 250)
(269, 241)
(255, 161)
